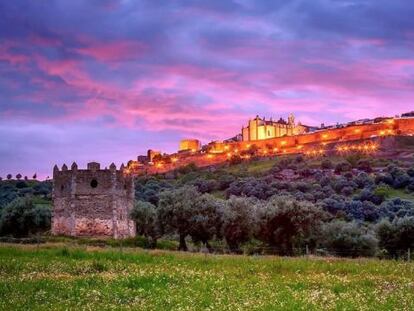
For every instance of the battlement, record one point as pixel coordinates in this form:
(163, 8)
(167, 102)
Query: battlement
(92, 201)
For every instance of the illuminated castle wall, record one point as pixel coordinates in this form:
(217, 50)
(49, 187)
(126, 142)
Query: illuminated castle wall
(259, 129)
(219, 152)
(189, 145)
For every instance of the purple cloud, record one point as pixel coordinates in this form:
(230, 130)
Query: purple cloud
(106, 80)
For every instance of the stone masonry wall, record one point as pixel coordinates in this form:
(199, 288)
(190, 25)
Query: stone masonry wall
(92, 202)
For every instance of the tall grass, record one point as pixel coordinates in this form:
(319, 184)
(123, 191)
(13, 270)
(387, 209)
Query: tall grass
(69, 278)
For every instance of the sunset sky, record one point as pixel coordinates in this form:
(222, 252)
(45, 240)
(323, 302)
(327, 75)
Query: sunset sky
(106, 80)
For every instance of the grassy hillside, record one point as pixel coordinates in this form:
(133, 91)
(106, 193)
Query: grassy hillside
(60, 278)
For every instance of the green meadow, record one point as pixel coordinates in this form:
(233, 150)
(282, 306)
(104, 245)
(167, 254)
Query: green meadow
(64, 277)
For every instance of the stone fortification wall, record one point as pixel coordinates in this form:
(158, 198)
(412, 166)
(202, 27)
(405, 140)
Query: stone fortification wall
(92, 202)
(294, 144)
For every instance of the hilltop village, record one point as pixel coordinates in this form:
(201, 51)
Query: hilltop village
(263, 137)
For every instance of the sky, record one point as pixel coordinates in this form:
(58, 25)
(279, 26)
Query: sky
(105, 80)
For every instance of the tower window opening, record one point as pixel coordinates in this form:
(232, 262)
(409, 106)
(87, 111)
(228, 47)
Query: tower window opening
(94, 183)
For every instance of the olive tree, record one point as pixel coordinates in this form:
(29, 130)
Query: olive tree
(175, 209)
(284, 221)
(205, 221)
(22, 217)
(396, 237)
(348, 239)
(238, 220)
(146, 218)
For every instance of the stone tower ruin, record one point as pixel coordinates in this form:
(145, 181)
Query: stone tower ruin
(92, 202)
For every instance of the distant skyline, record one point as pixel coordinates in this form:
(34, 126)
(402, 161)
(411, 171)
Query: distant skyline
(105, 80)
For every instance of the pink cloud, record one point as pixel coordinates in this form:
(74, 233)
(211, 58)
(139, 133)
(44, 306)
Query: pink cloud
(113, 51)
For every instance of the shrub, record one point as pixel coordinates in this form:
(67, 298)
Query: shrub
(347, 191)
(396, 208)
(364, 165)
(326, 164)
(410, 187)
(305, 172)
(363, 180)
(349, 175)
(251, 187)
(364, 211)
(384, 179)
(325, 181)
(21, 217)
(353, 159)
(302, 186)
(401, 181)
(341, 183)
(191, 167)
(235, 159)
(225, 181)
(382, 191)
(205, 185)
(348, 239)
(396, 237)
(21, 184)
(368, 194)
(342, 167)
(284, 222)
(299, 159)
(333, 204)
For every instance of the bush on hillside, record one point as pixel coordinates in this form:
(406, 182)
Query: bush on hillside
(342, 167)
(363, 180)
(326, 164)
(364, 165)
(205, 185)
(396, 208)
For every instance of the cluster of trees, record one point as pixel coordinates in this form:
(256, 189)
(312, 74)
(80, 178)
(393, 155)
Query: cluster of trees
(22, 217)
(281, 224)
(349, 200)
(347, 208)
(18, 177)
(25, 207)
